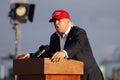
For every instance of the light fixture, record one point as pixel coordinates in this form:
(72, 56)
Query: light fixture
(21, 12)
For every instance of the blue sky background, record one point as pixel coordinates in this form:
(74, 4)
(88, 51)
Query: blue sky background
(100, 19)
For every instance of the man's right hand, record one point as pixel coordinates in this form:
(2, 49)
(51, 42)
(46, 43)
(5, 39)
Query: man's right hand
(23, 56)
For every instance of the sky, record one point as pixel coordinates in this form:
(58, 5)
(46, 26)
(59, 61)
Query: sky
(100, 19)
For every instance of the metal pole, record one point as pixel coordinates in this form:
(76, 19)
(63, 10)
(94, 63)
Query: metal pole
(16, 28)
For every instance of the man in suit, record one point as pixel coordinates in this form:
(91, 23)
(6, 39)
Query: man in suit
(70, 41)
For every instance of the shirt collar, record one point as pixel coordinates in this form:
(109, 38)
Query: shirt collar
(66, 33)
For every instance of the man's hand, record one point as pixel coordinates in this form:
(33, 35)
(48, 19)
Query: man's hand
(23, 56)
(58, 56)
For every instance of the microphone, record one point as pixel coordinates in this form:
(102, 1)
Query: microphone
(42, 49)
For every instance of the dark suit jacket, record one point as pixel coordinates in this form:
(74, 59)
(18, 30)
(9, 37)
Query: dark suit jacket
(78, 48)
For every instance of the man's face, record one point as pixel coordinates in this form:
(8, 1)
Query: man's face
(61, 25)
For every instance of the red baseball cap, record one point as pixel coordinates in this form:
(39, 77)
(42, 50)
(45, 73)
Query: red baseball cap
(59, 14)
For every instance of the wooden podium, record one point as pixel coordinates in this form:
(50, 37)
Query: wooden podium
(44, 69)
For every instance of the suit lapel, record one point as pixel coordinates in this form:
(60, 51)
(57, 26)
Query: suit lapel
(57, 42)
(70, 36)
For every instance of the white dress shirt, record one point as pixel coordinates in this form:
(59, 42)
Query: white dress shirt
(63, 39)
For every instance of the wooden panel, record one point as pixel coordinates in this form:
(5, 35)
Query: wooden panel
(28, 66)
(48, 77)
(45, 66)
(31, 77)
(63, 67)
(62, 77)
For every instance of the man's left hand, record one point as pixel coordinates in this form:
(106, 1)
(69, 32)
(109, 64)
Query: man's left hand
(58, 56)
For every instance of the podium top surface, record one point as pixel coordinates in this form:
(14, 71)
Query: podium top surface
(45, 66)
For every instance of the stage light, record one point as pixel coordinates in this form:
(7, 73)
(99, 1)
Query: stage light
(21, 12)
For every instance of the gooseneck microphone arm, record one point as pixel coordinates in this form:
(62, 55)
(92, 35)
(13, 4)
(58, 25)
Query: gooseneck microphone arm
(42, 50)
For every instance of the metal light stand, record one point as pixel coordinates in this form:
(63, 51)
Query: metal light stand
(16, 28)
